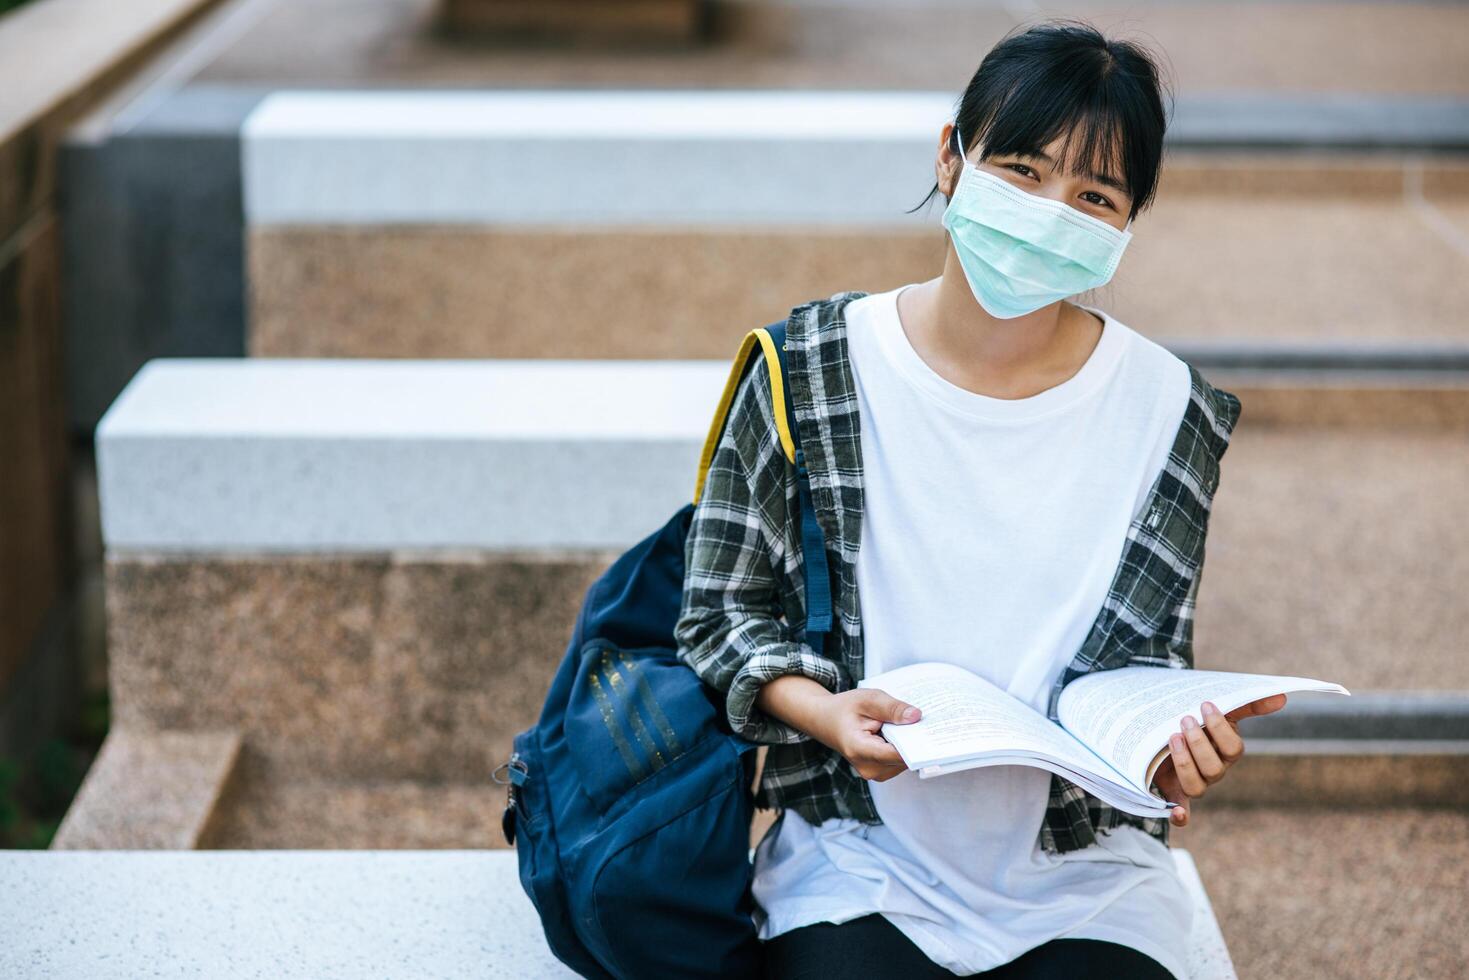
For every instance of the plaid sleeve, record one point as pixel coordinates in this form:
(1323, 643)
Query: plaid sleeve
(730, 628)
(1173, 644)
(1214, 416)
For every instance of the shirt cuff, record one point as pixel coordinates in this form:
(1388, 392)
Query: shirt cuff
(777, 661)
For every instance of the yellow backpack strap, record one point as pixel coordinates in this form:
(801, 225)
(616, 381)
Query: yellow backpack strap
(762, 337)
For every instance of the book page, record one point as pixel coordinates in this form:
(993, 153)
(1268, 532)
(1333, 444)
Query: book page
(1127, 715)
(965, 716)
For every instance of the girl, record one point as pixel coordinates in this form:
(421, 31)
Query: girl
(993, 448)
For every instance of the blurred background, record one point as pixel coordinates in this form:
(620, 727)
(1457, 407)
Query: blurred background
(342, 345)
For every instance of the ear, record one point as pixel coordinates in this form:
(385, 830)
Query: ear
(948, 162)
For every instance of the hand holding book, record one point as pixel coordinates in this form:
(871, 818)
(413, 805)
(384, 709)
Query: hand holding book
(1114, 734)
(1200, 754)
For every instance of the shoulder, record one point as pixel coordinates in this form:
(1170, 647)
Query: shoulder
(1209, 413)
(819, 326)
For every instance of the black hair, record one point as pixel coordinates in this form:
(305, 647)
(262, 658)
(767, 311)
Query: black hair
(1064, 79)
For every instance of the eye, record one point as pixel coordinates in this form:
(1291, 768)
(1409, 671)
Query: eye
(1020, 166)
(1100, 200)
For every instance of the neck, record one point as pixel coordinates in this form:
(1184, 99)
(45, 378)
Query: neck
(1014, 358)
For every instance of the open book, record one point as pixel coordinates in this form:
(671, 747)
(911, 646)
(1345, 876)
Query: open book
(1114, 730)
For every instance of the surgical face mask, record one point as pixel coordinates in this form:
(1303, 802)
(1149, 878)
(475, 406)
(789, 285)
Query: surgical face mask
(1021, 251)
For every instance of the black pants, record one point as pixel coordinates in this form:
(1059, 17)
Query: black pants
(872, 948)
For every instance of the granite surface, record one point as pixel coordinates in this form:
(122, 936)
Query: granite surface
(1374, 893)
(730, 159)
(1333, 552)
(1341, 554)
(361, 668)
(314, 914)
(1407, 47)
(391, 291)
(150, 790)
(641, 22)
(664, 158)
(1291, 774)
(1430, 401)
(276, 914)
(351, 455)
(395, 292)
(267, 809)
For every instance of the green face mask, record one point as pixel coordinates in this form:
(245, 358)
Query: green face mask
(1021, 251)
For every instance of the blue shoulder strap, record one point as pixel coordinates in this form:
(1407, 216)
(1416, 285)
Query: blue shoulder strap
(813, 542)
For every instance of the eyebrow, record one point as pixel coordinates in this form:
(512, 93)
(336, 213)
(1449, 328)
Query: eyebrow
(1106, 180)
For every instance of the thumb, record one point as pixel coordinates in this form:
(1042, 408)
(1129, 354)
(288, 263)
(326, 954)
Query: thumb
(884, 706)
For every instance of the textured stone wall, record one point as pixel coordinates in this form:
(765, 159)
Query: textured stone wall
(352, 667)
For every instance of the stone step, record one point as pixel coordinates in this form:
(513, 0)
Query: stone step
(702, 220)
(151, 790)
(691, 279)
(284, 914)
(281, 455)
(415, 539)
(1278, 48)
(289, 914)
(697, 157)
(1370, 892)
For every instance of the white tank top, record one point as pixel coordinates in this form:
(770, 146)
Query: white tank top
(992, 529)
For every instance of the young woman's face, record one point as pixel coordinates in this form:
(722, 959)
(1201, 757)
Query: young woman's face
(1100, 195)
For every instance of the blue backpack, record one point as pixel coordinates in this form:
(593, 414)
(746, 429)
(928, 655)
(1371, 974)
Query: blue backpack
(630, 800)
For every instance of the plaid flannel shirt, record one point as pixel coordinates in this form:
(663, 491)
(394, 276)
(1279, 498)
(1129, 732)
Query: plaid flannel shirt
(743, 612)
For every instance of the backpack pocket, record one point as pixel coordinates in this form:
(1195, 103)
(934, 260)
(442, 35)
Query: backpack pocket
(528, 820)
(669, 886)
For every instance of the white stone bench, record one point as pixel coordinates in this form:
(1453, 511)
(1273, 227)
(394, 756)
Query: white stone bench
(301, 455)
(308, 914)
(632, 157)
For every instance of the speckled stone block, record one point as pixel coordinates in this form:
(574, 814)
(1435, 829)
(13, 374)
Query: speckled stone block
(287, 915)
(1341, 554)
(586, 21)
(268, 808)
(1360, 401)
(371, 668)
(345, 242)
(1288, 773)
(150, 790)
(403, 291)
(663, 157)
(1319, 893)
(290, 456)
(1208, 956)
(1409, 47)
(420, 291)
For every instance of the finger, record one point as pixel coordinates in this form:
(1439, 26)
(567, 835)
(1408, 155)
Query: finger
(1227, 741)
(877, 759)
(879, 751)
(886, 773)
(1210, 766)
(1189, 779)
(1167, 783)
(880, 704)
(1264, 706)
